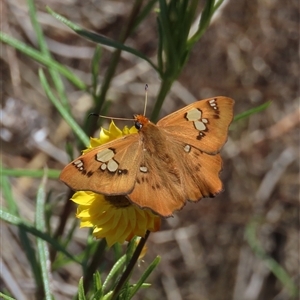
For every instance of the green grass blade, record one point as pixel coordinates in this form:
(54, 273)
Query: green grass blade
(218, 4)
(167, 36)
(145, 11)
(81, 294)
(145, 275)
(271, 263)
(252, 111)
(97, 286)
(37, 28)
(95, 69)
(24, 239)
(62, 110)
(115, 269)
(160, 48)
(43, 251)
(52, 174)
(41, 58)
(9, 218)
(100, 39)
(108, 296)
(206, 16)
(44, 49)
(7, 194)
(5, 297)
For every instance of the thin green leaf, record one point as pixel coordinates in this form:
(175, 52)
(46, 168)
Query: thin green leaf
(44, 49)
(160, 50)
(7, 194)
(95, 259)
(95, 69)
(37, 28)
(30, 252)
(89, 251)
(81, 294)
(65, 114)
(97, 286)
(115, 269)
(164, 89)
(142, 15)
(186, 18)
(218, 4)
(108, 296)
(206, 16)
(97, 281)
(271, 263)
(125, 293)
(52, 174)
(167, 36)
(100, 39)
(145, 275)
(117, 249)
(129, 267)
(70, 234)
(24, 239)
(42, 247)
(252, 111)
(5, 297)
(131, 248)
(9, 218)
(41, 58)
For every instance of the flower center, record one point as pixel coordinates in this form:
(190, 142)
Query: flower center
(118, 201)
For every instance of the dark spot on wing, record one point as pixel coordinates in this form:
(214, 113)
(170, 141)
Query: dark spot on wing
(122, 171)
(89, 174)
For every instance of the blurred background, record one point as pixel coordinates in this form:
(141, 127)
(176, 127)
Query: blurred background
(249, 53)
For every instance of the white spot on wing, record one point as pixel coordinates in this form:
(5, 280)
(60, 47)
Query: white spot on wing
(194, 114)
(187, 148)
(199, 125)
(78, 164)
(105, 155)
(143, 169)
(213, 103)
(112, 166)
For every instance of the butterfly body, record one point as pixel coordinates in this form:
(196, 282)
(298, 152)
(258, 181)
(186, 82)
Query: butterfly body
(164, 164)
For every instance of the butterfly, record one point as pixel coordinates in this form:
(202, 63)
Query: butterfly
(163, 165)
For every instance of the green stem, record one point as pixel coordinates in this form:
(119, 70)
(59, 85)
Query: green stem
(91, 123)
(164, 89)
(130, 266)
(41, 58)
(94, 264)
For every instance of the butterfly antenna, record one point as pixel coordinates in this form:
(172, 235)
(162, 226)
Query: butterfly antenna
(111, 118)
(146, 98)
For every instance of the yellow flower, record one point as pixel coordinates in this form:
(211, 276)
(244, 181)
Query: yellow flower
(109, 135)
(114, 218)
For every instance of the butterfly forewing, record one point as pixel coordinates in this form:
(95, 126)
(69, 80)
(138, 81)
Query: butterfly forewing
(203, 124)
(109, 169)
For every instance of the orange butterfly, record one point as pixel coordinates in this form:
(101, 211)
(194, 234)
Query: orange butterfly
(163, 165)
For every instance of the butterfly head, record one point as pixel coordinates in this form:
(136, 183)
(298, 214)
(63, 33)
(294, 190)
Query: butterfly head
(140, 121)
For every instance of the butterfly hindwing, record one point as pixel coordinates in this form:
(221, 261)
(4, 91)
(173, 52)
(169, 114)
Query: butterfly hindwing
(109, 169)
(202, 124)
(164, 185)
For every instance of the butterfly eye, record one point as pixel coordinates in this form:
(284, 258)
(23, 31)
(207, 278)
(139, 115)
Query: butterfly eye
(138, 125)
